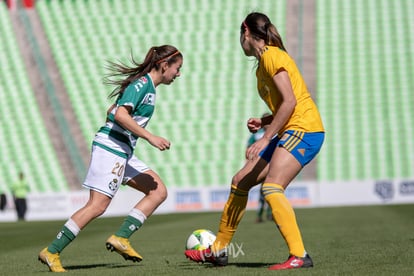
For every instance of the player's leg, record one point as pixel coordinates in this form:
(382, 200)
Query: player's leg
(141, 178)
(104, 176)
(154, 189)
(18, 202)
(283, 168)
(293, 152)
(95, 206)
(155, 192)
(24, 208)
(261, 208)
(251, 174)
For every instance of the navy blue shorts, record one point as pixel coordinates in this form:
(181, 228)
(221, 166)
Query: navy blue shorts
(303, 145)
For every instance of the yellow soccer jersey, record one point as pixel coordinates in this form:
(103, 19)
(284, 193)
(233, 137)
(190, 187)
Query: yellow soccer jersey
(305, 116)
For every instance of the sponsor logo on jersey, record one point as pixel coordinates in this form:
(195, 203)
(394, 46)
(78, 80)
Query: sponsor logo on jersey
(140, 83)
(138, 86)
(149, 99)
(302, 151)
(144, 79)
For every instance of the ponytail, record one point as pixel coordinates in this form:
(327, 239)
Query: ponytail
(123, 75)
(273, 37)
(261, 27)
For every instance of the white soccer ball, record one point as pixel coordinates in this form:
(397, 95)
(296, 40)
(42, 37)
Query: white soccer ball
(200, 239)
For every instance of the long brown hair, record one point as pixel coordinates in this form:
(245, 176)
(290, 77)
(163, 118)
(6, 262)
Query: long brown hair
(261, 27)
(122, 75)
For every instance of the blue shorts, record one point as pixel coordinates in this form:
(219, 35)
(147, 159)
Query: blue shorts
(304, 146)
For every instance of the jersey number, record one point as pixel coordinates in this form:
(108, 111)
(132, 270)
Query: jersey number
(118, 169)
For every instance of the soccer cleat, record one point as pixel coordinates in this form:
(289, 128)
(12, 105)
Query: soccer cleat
(294, 262)
(206, 255)
(123, 248)
(52, 260)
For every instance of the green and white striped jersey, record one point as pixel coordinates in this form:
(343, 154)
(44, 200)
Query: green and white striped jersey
(140, 96)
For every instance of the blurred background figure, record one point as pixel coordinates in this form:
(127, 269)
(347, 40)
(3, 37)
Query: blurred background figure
(3, 200)
(19, 189)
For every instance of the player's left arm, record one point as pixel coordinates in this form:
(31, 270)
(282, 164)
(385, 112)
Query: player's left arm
(283, 84)
(288, 104)
(124, 119)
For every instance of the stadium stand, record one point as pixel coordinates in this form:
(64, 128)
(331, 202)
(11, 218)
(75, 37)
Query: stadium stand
(364, 85)
(25, 143)
(200, 113)
(365, 88)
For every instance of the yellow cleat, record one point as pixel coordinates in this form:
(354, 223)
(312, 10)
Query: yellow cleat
(52, 260)
(123, 248)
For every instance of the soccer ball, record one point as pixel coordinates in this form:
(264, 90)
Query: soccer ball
(200, 239)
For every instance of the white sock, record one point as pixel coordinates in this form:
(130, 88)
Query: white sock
(73, 227)
(138, 214)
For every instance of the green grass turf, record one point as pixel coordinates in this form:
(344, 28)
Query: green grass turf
(367, 240)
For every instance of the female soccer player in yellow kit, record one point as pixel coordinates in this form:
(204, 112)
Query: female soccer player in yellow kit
(294, 135)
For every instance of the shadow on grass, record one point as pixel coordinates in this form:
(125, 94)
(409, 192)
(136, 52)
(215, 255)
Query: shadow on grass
(192, 265)
(89, 266)
(250, 264)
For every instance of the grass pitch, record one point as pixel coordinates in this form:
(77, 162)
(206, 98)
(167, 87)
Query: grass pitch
(368, 240)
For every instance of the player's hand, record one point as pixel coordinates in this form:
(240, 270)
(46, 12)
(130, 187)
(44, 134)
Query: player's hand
(159, 142)
(254, 124)
(253, 151)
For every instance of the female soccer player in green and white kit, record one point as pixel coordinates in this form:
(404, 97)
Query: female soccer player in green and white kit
(113, 162)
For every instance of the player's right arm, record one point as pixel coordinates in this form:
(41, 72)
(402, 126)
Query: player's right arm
(254, 124)
(124, 119)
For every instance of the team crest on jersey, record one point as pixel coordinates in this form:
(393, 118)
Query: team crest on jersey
(140, 83)
(143, 79)
(149, 99)
(113, 185)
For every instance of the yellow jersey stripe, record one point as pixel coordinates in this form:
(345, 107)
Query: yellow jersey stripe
(296, 141)
(290, 139)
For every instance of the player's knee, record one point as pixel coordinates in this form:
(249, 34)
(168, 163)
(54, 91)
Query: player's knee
(243, 182)
(163, 194)
(160, 193)
(235, 181)
(97, 210)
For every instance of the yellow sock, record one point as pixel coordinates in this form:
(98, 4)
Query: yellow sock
(230, 218)
(285, 218)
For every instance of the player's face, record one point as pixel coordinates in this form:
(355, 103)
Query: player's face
(244, 42)
(172, 71)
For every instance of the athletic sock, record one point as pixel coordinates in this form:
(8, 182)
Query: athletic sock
(284, 217)
(68, 233)
(132, 223)
(230, 218)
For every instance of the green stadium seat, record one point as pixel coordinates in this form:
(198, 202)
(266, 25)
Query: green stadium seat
(25, 144)
(364, 89)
